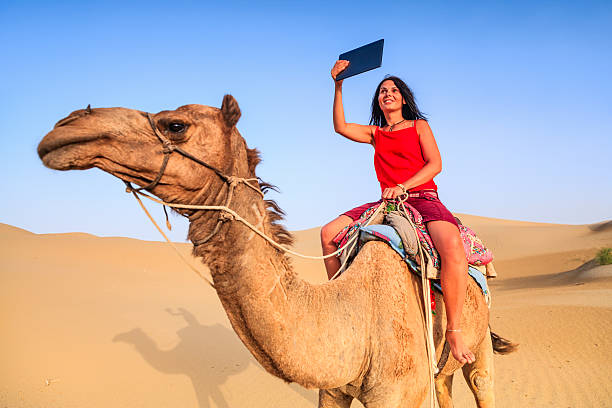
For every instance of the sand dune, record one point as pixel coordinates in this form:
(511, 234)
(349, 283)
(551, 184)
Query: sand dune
(116, 322)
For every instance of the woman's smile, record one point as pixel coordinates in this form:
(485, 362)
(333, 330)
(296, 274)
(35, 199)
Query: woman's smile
(390, 96)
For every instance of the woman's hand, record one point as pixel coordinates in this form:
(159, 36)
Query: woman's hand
(339, 66)
(391, 193)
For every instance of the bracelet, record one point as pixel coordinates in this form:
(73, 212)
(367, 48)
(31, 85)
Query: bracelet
(453, 330)
(404, 191)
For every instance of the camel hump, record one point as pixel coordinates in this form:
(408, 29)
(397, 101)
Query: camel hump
(230, 111)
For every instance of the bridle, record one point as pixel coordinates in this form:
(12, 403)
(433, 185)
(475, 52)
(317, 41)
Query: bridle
(226, 213)
(168, 149)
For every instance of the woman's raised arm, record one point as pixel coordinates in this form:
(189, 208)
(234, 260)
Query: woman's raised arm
(352, 131)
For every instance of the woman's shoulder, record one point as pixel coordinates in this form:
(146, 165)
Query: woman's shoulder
(420, 124)
(374, 130)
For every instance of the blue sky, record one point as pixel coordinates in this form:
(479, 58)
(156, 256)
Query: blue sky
(517, 95)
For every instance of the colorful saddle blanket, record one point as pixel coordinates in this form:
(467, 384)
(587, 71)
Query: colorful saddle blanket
(475, 251)
(388, 234)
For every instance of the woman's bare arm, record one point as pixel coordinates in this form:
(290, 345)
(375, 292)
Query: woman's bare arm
(352, 131)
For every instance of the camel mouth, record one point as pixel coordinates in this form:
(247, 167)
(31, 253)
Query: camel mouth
(59, 149)
(132, 178)
(52, 153)
(63, 149)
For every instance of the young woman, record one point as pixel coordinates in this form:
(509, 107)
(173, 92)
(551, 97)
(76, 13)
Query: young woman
(406, 159)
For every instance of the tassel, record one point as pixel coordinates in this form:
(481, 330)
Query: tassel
(433, 297)
(168, 225)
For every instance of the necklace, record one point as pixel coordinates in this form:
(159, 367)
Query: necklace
(395, 124)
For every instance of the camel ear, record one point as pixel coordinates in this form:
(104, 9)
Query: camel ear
(230, 111)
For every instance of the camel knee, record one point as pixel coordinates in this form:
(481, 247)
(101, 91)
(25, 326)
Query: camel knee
(481, 383)
(334, 399)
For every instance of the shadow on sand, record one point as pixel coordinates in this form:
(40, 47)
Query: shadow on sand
(208, 355)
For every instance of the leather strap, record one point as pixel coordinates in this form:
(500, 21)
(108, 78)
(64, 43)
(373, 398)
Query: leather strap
(168, 149)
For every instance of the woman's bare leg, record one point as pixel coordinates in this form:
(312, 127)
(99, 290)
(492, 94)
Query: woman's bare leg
(453, 276)
(328, 233)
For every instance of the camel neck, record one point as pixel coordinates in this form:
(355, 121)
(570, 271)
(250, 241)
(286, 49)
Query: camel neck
(268, 305)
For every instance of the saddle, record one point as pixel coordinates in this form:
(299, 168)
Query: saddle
(405, 232)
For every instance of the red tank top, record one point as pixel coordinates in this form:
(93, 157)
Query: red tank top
(397, 157)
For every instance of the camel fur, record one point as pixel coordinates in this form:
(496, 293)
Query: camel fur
(360, 336)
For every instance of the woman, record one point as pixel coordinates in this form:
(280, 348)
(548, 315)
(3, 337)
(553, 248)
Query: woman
(406, 159)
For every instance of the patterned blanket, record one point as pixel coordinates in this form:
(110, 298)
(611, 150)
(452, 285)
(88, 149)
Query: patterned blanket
(475, 250)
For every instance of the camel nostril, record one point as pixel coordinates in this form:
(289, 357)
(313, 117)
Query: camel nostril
(73, 116)
(66, 120)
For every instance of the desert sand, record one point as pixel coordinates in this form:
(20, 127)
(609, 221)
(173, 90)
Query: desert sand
(117, 322)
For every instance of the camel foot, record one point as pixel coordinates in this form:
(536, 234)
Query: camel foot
(458, 348)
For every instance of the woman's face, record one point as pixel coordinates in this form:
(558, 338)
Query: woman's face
(389, 97)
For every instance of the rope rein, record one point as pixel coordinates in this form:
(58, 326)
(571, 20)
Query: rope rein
(235, 216)
(353, 241)
(205, 278)
(429, 340)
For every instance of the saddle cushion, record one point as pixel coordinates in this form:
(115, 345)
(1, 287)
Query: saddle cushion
(475, 251)
(389, 235)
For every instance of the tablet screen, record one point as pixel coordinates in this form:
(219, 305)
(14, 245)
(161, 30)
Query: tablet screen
(362, 59)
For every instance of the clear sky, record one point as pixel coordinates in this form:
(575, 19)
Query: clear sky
(517, 93)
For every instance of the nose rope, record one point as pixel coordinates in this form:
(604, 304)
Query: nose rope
(237, 217)
(194, 269)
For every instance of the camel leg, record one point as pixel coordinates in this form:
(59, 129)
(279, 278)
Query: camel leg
(444, 390)
(334, 398)
(479, 374)
(402, 394)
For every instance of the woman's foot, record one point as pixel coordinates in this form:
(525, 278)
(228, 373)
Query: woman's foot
(460, 351)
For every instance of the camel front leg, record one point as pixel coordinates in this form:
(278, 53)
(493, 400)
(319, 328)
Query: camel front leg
(403, 394)
(334, 398)
(444, 390)
(479, 374)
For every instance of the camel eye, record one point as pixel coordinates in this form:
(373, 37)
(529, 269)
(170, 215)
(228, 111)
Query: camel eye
(177, 127)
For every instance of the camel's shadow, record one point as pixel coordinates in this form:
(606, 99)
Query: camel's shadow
(202, 355)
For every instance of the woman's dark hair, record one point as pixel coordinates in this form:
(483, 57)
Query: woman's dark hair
(410, 111)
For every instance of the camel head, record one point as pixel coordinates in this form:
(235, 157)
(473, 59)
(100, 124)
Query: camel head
(123, 143)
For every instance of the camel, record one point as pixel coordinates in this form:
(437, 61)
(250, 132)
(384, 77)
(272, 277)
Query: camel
(360, 336)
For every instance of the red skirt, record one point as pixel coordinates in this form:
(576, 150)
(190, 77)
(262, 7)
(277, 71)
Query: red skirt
(427, 204)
